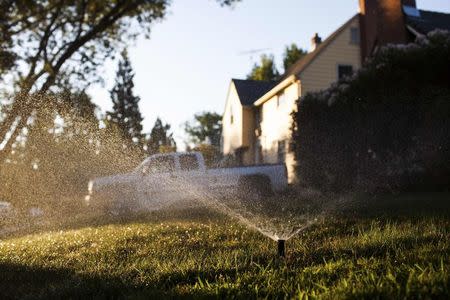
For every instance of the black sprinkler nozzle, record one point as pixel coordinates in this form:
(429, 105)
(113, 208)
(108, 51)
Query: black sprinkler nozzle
(281, 248)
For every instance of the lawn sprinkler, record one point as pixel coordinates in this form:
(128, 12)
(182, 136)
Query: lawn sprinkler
(281, 248)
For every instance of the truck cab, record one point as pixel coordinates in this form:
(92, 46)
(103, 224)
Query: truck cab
(173, 163)
(167, 177)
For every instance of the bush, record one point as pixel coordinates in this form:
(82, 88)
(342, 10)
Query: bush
(385, 128)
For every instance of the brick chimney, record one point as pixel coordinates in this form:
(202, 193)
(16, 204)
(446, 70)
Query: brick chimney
(382, 22)
(315, 41)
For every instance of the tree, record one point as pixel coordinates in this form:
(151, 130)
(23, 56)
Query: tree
(160, 139)
(56, 155)
(265, 71)
(291, 55)
(125, 111)
(76, 106)
(56, 40)
(211, 154)
(205, 128)
(7, 56)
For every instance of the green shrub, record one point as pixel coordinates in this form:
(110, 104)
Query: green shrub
(385, 128)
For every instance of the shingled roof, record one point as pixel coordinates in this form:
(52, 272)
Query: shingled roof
(250, 90)
(428, 21)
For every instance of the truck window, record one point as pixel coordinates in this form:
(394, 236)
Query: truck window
(188, 162)
(162, 164)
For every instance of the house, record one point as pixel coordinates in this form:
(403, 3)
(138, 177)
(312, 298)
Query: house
(238, 137)
(257, 118)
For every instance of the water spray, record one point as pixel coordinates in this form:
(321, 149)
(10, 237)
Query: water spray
(281, 248)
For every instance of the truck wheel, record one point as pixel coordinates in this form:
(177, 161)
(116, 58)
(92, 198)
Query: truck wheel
(115, 208)
(255, 187)
(120, 202)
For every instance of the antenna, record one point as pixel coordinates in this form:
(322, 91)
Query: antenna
(253, 51)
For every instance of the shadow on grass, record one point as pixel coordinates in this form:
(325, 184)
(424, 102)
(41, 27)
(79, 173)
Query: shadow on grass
(380, 250)
(26, 282)
(389, 206)
(19, 282)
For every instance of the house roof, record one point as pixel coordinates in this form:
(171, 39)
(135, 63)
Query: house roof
(250, 90)
(301, 64)
(427, 21)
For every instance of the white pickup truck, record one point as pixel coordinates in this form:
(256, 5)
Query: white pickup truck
(162, 179)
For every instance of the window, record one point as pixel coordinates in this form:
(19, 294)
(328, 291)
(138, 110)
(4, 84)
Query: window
(281, 151)
(162, 164)
(231, 115)
(344, 71)
(354, 36)
(188, 162)
(281, 99)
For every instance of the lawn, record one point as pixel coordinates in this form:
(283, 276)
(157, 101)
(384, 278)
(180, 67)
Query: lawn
(205, 255)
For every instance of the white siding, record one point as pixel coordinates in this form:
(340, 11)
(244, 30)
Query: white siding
(276, 126)
(232, 133)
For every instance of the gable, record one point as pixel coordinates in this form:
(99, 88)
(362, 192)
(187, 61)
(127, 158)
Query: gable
(319, 68)
(339, 52)
(305, 61)
(233, 105)
(237, 122)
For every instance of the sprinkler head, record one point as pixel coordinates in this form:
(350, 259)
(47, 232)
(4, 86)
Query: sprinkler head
(281, 248)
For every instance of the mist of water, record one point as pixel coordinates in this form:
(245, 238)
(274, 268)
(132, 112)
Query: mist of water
(53, 160)
(273, 220)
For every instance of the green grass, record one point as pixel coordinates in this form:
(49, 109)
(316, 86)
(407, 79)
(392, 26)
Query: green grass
(199, 257)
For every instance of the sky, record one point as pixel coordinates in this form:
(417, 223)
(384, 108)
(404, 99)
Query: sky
(186, 65)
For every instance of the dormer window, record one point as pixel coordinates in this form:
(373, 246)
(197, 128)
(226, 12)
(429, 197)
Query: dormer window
(281, 99)
(354, 35)
(231, 115)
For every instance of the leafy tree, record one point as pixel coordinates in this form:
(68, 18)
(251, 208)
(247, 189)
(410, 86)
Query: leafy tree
(7, 56)
(205, 128)
(55, 155)
(125, 111)
(55, 40)
(291, 55)
(265, 71)
(160, 139)
(74, 106)
(56, 159)
(211, 154)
